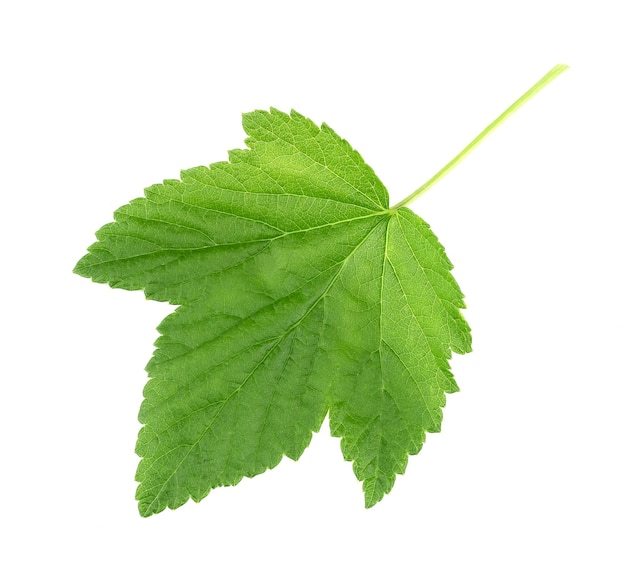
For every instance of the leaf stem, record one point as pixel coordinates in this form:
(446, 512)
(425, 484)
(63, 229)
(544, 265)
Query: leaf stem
(545, 80)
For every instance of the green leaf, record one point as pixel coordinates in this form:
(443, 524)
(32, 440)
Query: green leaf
(301, 293)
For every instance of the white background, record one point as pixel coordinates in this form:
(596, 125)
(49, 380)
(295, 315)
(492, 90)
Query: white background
(100, 99)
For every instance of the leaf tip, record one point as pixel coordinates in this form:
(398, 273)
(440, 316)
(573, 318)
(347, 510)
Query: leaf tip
(144, 512)
(81, 267)
(370, 502)
(372, 497)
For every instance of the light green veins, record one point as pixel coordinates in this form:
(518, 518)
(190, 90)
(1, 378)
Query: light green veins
(300, 293)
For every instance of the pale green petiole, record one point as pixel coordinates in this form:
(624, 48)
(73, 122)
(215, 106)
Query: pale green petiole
(545, 80)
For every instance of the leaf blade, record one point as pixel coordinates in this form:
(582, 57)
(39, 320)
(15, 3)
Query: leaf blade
(300, 294)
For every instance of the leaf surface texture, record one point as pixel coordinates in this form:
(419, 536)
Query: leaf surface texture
(300, 293)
